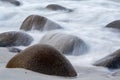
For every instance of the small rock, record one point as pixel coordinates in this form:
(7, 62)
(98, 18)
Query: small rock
(14, 38)
(56, 7)
(114, 24)
(13, 49)
(14, 2)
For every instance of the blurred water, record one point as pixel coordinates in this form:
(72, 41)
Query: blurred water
(87, 22)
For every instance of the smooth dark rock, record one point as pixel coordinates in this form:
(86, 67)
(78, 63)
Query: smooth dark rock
(14, 2)
(65, 43)
(56, 7)
(36, 22)
(114, 24)
(43, 59)
(14, 38)
(111, 61)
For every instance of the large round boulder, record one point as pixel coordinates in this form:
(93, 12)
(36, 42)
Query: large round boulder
(14, 2)
(37, 22)
(111, 61)
(14, 38)
(65, 43)
(114, 24)
(43, 59)
(56, 7)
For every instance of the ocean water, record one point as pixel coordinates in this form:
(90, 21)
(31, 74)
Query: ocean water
(87, 21)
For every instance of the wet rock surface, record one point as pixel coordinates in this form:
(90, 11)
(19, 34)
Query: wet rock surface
(111, 61)
(114, 24)
(65, 43)
(56, 7)
(14, 2)
(14, 38)
(43, 59)
(37, 22)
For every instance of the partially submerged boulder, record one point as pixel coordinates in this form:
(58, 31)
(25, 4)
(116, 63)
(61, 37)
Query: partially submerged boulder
(114, 24)
(14, 2)
(14, 38)
(56, 7)
(43, 59)
(65, 43)
(37, 22)
(111, 61)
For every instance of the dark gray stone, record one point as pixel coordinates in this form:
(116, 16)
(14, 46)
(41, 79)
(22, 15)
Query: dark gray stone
(56, 7)
(14, 38)
(14, 2)
(65, 43)
(111, 61)
(114, 24)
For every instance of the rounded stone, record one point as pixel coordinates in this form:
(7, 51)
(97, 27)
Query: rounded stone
(56, 7)
(111, 61)
(65, 43)
(43, 59)
(14, 38)
(36, 22)
(114, 24)
(14, 2)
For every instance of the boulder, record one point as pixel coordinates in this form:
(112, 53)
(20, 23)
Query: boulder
(5, 56)
(43, 59)
(56, 7)
(14, 38)
(114, 24)
(37, 22)
(65, 43)
(14, 2)
(111, 61)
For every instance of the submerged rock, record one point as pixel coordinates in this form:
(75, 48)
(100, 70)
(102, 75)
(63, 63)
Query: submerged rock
(43, 59)
(65, 43)
(114, 24)
(111, 61)
(14, 38)
(14, 50)
(56, 7)
(39, 23)
(14, 2)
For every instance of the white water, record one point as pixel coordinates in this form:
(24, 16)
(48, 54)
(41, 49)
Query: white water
(87, 22)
